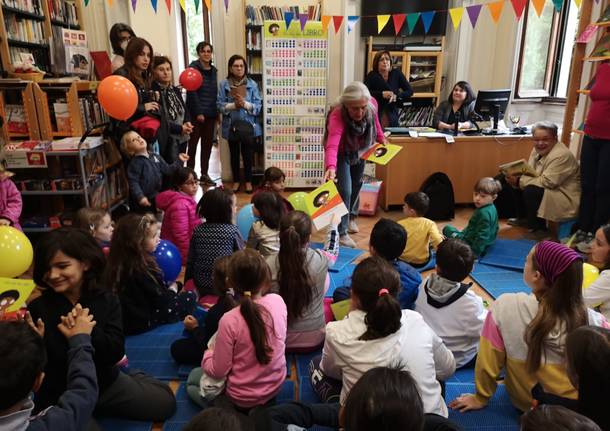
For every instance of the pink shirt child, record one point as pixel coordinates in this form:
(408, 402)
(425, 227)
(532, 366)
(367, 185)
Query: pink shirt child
(180, 219)
(10, 201)
(335, 132)
(249, 383)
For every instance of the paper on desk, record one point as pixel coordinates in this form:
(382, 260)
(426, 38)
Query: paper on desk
(432, 135)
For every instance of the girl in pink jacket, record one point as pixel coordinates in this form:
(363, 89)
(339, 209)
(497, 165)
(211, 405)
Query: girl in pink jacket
(10, 199)
(180, 217)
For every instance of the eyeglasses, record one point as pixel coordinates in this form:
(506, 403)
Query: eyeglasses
(205, 51)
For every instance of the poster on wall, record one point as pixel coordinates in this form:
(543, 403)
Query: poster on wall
(295, 69)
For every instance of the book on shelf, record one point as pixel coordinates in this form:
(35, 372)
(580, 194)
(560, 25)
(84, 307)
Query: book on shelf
(71, 143)
(518, 167)
(605, 16)
(602, 48)
(15, 119)
(416, 116)
(254, 39)
(24, 29)
(40, 56)
(91, 112)
(31, 6)
(63, 11)
(257, 15)
(62, 117)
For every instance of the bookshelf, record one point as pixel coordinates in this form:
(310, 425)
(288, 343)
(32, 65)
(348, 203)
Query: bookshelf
(423, 68)
(18, 111)
(30, 26)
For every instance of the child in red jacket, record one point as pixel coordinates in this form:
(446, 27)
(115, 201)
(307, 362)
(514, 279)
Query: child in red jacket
(180, 207)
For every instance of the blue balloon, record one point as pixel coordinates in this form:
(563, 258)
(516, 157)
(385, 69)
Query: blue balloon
(245, 218)
(169, 260)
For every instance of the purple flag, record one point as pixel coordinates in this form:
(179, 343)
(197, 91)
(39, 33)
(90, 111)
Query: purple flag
(473, 13)
(133, 4)
(303, 17)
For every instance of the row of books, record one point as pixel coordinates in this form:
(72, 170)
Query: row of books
(256, 15)
(41, 56)
(255, 63)
(23, 29)
(415, 116)
(32, 6)
(63, 10)
(91, 112)
(254, 39)
(14, 116)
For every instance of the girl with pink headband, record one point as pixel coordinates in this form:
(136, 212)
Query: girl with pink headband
(525, 334)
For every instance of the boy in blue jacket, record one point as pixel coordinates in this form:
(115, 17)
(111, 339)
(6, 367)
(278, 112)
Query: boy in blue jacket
(21, 373)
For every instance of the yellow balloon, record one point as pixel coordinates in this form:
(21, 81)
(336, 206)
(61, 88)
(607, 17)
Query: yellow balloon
(589, 274)
(16, 252)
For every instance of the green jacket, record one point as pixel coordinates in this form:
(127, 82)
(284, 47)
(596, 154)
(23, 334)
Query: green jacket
(481, 230)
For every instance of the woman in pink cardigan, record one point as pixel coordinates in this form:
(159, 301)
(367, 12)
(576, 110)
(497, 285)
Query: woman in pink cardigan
(352, 128)
(10, 199)
(180, 218)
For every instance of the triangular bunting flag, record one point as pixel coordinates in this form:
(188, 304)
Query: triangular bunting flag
(539, 6)
(578, 2)
(303, 19)
(325, 21)
(86, 2)
(412, 19)
(337, 21)
(133, 4)
(288, 17)
(182, 5)
(382, 21)
(519, 7)
(197, 6)
(168, 3)
(110, 3)
(426, 19)
(154, 5)
(456, 16)
(495, 9)
(227, 6)
(473, 13)
(351, 22)
(399, 21)
(208, 4)
(558, 4)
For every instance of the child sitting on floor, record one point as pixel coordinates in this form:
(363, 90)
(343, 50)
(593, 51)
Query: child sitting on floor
(146, 300)
(145, 172)
(190, 350)
(273, 181)
(422, 232)
(98, 222)
(483, 225)
(24, 357)
(556, 418)
(449, 306)
(264, 234)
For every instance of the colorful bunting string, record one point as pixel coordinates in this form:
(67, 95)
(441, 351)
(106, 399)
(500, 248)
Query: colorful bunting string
(473, 13)
(412, 19)
(208, 4)
(337, 21)
(351, 22)
(426, 18)
(538, 6)
(133, 5)
(495, 9)
(382, 21)
(154, 4)
(399, 21)
(456, 16)
(325, 22)
(168, 4)
(558, 4)
(518, 7)
(288, 17)
(182, 5)
(303, 17)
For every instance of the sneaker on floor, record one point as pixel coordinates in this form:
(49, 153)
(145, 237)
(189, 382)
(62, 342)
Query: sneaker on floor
(352, 227)
(519, 222)
(347, 241)
(206, 181)
(584, 246)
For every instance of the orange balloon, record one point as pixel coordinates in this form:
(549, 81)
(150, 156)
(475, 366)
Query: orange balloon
(118, 96)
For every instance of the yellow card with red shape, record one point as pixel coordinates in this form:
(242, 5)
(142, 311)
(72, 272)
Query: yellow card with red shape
(323, 203)
(381, 154)
(13, 293)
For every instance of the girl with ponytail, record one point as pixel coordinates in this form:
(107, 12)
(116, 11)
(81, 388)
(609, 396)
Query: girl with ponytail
(250, 342)
(377, 333)
(300, 275)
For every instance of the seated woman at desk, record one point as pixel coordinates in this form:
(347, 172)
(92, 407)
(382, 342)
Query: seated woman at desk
(389, 87)
(458, 107)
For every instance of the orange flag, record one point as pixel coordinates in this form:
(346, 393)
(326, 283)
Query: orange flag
(539, 6)
(208, 4)
(495, 9)
(325, 21)
(110, 3)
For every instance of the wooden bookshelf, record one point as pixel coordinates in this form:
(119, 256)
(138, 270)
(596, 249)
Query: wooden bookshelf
(18, 94)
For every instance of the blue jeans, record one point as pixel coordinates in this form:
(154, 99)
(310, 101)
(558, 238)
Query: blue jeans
(349, 183)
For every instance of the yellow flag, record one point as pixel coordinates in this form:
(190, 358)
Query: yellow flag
(456, 16)
(578, 2)
(182, 5)
(539, 6)
(208, 4)
(325, 21)
(495, 9)
(382, 21)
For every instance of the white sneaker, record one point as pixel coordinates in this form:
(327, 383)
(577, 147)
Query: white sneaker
(352, 227)
(347, 241)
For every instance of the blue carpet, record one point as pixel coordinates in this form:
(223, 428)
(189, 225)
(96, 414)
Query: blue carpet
(508, 253)
(340, 279)
(306, 392)
(303, 360)
(496, 280)
(150, 352)
(108, 424)
(287, 393)
(185, 411)
(346, 256)
(499, 415)
(430, 265)
(184, 371)
(463, 375)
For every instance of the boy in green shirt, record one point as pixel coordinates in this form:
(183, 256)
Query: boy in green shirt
(483, 225)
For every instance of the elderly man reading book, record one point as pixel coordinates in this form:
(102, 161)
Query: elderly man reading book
(553, 194)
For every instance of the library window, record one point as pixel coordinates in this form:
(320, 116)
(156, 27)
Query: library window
(546, 50)
(196, 27)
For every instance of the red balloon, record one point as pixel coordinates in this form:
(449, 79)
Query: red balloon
(118, 96)
(191, 79)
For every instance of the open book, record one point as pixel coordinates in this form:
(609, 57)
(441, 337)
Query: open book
(518, 167)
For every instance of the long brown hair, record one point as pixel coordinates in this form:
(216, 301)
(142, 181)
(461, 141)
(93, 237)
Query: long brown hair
(371, 277)
(248, 274)
(296, 285)
(134, 49)
(561, 303)
(127, 253)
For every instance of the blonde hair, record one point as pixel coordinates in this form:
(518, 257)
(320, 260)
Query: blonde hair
(89, 218)
(125, 143)
(488, 185)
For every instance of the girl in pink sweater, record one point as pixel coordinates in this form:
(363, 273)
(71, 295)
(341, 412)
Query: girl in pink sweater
(10, 198)
(180, 218)
(251, 339)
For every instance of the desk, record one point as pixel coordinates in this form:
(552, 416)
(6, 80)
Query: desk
(465, 161)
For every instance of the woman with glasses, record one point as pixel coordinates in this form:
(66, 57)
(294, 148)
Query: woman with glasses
(201, 105)
(458, 107)
(389, 87)
(120, 35)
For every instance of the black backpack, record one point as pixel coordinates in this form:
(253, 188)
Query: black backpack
(439, 189)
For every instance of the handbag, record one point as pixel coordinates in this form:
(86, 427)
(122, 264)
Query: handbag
(241, 130)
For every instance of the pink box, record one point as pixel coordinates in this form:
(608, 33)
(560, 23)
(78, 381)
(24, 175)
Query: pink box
(369, 198)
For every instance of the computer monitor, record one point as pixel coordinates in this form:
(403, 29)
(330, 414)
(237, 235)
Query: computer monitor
(491, 105)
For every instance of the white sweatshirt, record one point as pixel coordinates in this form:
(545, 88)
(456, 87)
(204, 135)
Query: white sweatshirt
(597, 295)
(414, 346)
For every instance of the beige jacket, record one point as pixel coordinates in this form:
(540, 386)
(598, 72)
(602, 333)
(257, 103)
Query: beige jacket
(559, 176)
